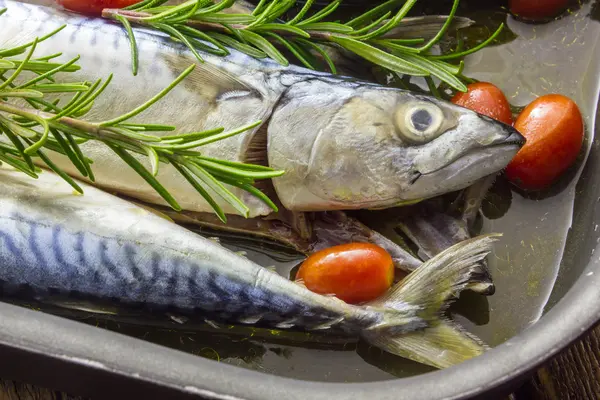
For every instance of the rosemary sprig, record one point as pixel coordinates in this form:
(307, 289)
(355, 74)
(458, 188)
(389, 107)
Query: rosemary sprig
(203, 27)
(31, 126)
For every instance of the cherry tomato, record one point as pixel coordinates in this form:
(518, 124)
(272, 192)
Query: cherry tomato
(485, 99)
(553, 127)
(354, 272)
(94, 7)
(537, 9)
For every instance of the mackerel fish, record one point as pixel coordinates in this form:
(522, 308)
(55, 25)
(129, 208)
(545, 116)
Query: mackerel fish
(344, 144)
(53, 241)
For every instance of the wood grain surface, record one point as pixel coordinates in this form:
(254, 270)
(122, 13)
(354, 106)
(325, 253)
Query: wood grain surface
(10, 390)
(572, 375)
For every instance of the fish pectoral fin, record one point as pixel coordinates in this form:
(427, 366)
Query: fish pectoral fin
(25, 36)
(441, 345)
(151, 209)
(214, 83)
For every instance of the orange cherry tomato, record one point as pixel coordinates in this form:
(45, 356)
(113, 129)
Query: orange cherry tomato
(486, 99)
(94, 7)
(537, 9)
(355, 272)
(553, 127)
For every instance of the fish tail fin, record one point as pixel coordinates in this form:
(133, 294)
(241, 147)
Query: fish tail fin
(441, 345)
(414, 326)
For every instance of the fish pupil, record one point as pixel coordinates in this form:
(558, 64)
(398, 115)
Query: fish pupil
(421, 120)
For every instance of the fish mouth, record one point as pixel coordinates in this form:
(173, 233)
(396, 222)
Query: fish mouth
(473, 159)
(476, 157)
(515, 138)
(416, 176)
(466, 170)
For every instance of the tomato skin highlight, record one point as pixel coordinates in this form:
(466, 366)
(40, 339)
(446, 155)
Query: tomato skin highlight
(486, 99)
(537, 9)
(354, 272)
(554, 129)
(94, 7)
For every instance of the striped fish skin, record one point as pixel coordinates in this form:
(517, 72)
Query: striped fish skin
(343, 143)
(102, 246)
(55, 241)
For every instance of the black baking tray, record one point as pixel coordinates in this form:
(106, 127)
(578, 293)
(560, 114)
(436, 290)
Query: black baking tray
(75, 357)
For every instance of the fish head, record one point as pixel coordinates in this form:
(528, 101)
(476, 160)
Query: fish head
(380, 147)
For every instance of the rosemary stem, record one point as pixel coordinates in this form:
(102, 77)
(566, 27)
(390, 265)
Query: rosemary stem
(90, 130)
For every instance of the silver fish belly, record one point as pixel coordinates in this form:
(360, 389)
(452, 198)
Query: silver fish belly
(344, 144)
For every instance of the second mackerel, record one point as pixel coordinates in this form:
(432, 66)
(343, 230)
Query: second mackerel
(56, 242)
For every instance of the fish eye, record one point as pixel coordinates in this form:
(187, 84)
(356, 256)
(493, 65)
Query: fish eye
(419, 122)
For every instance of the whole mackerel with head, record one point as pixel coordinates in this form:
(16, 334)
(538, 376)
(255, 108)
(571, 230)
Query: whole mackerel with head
(344, 143)
(53, 241)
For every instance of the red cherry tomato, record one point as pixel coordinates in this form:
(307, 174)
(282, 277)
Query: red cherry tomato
(537, 9)
(94, 7)
(553, 127)
(485, 99)
(355, 272)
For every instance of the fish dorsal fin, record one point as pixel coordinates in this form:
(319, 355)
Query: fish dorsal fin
(426, 27)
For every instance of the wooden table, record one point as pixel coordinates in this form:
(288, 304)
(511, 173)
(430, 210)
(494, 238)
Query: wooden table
(573, 375)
